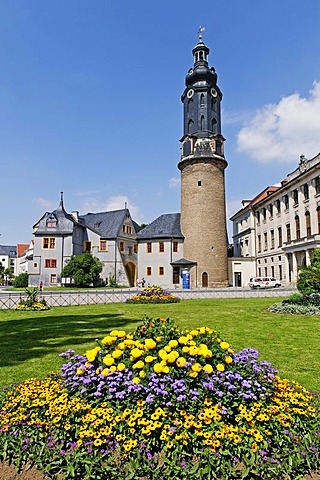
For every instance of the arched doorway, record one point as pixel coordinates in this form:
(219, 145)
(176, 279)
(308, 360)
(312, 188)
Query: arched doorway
(131, 273)
(204, 281)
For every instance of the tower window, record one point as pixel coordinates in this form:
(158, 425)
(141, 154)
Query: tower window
(199, 183)
(202, 100)
(190, 125)
(202, 122)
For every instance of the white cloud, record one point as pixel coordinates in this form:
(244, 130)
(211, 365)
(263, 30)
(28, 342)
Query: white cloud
(283, 131)
(115, 202)
(45, 204)
(174, 182)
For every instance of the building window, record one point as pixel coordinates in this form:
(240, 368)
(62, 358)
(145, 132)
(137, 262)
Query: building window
(279, 236)
(317, 184)
(96, 225)
(35, 264)
(259, 243)
(265, 271)
(87, 246)
(202, 100)
(161, 271)
(272, 238)
(175, 247)
(50, 263)
(280, 272)
(199, 183)
(264, 214)
(271, 210)
(53, 278)
(258, 217)
(52, 222)
(305, 189)
(103, 246)
(272, 271)
(295, 197)
(288, 232)
(265, 241)
(129, 229)
(259, 272)
(121, 246)
(124, 228)
(278, 206)
(135, 248)
(297, 223)
(161, 247)
(308, 224)
(286, 202)
(129, 251)
(149, 271)
(149, 247)
(49, 243)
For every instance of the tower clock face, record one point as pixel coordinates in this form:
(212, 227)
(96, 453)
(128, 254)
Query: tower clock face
(213, 92)
(190, 93)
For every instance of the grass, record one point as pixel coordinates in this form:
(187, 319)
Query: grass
(30, 342)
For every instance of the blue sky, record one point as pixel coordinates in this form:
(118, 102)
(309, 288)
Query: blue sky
(90, 101)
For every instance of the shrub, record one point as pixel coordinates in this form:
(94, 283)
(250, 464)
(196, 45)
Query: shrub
(32, 302)
(298, 304)
(153, 294)
(309, 277)
(162, 403)
(21, 281)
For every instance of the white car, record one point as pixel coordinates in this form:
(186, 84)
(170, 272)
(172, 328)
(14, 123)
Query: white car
(264, 282)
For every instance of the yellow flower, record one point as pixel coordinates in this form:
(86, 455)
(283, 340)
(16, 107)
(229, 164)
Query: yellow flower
(181, 361)
(139, 364)
(108, 361)
(183, 340)
(173, 343)
(220, 367)
(149, 359)
(167, 348)
(193, 374)
(196, 367)
(225, 345)
(91, 354)
(80, 371)
(193, 351)
(136, 380)
(108, 340)
(228, 359)
(208, 368)
(150, 344)
(117, 353)
(121, 366)
(162, 354)
(157, 368)
(136, 352)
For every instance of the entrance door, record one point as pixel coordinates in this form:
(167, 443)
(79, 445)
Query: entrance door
(205, 279)
(237, 279)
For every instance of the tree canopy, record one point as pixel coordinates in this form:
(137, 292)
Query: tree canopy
(309, 277)
(83, 269)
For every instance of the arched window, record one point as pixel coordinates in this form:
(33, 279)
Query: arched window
(189, 105)
(308, 224)
(213, 124)
(202, 100)
(190, 123)
(205, 279)
(202, 122)
(213, 103)
(297, 223)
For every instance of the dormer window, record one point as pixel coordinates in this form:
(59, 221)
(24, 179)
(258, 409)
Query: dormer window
(51, 222)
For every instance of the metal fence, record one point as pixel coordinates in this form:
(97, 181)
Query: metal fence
(61, 298)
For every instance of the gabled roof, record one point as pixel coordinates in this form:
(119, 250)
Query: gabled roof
(165, 226)
(21, 247)
(107, 224)
(65, 222)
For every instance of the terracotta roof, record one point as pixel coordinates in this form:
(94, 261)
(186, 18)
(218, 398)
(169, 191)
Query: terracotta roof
(21, 247)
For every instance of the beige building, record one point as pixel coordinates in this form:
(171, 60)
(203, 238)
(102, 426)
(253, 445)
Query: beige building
(275, 233)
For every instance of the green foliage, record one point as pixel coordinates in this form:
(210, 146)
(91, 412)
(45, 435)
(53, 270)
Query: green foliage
(309, 277)
(83, 269)
(295, 298)
(32, 302)
(112, 281)
(21, 281)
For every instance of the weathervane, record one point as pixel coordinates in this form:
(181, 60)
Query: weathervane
(201, 29)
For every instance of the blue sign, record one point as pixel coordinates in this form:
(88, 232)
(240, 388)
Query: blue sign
(185, 278)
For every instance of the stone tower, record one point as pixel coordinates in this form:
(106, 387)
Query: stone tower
(202, 165)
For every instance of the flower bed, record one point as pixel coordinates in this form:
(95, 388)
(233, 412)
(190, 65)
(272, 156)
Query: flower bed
(162, 403)
(298, 304)
(153, 294)
(30, 305)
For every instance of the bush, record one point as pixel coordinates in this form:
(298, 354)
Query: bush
(298, 304)
(21, 281)
(309, 277)
(32, 302)
(162, 403)
(153, 294)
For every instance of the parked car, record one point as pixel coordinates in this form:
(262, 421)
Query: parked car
(264, 282)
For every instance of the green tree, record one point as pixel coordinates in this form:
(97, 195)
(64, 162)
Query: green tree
(21, 281)
(309, 277)
(83, 269)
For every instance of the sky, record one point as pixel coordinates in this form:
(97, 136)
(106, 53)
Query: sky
(90, 101)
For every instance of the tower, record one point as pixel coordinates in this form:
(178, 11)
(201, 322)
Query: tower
(202, 165)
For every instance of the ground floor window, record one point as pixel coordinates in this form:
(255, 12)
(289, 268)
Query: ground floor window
(53, 278)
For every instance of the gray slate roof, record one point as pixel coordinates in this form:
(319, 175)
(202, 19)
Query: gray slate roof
(107, 224)
(9, 250)
(65, 222)
(165, 226)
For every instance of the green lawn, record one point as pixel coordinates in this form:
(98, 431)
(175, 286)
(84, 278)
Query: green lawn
(30, 342)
